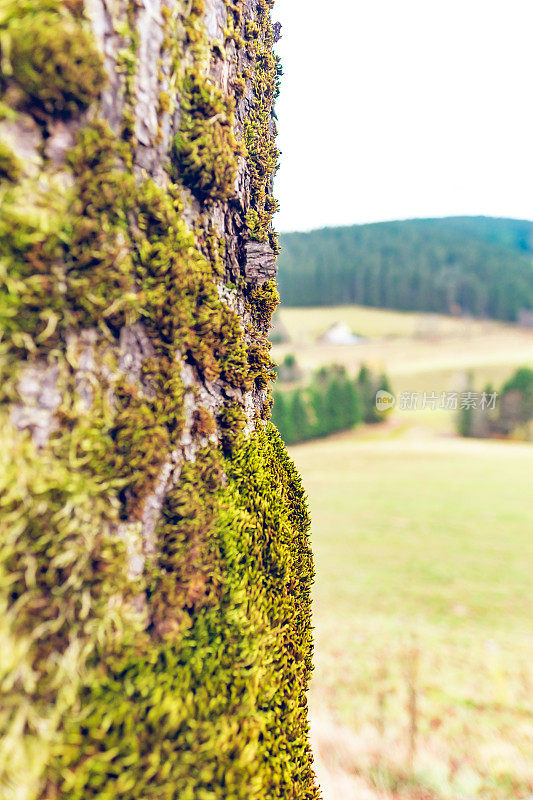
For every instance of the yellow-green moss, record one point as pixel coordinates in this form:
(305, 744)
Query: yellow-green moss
(187, 573)
(65, 593)
(10, 165)
(100, 284)
(53, 60)
(205, 147)
(232, 421)
(215, 248)
(260, 126)
(213, 705)
(263, 300)
(32, 274)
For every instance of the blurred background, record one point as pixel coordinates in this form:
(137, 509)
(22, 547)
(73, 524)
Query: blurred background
(406, 274)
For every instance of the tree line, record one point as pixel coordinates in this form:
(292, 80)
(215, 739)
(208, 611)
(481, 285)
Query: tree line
(331, 403)
(502, 413)
(470, 265)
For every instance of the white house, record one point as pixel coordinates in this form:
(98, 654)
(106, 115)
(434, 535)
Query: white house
(340, 333)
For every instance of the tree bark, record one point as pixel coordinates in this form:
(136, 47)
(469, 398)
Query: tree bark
(155, 569)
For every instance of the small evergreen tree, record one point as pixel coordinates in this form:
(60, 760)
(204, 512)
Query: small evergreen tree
(316, 399)
(333, 406)
(353, 402)
(516, 403)
(366, 388)
(299, 413)
(466, 413)
(330, 404)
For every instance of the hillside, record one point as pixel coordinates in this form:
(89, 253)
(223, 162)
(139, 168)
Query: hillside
(476, 265)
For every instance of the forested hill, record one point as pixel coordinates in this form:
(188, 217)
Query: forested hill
(476, 265)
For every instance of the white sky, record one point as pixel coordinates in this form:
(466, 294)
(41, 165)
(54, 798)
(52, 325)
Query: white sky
(393, 109)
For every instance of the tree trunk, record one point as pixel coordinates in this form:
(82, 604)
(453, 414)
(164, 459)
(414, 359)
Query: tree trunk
(154, 562)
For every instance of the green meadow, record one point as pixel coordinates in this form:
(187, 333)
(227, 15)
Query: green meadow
(423, 599)
(422, 609)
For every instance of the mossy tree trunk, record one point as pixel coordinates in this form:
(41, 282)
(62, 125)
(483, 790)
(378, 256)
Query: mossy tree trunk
(154, 561)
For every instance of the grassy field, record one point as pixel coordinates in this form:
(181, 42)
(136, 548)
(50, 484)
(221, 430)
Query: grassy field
(424, 633)
(423, 597)
(420, 352)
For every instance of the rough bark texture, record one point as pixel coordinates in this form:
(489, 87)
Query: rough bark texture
(154, 561)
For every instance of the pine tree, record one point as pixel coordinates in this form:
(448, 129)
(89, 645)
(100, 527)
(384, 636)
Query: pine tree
(466, 413)
(366, 390)
(300, 418)
(318, 422)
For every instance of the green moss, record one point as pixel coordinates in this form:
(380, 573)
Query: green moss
(69, 250)
(234, 23)
(10, 166)
(215, 249)
(263, 301)
(140, 441)
(54, 61)
(260, 127)
(261, 366)
(67, 593)
(32, 275)
(192, 19)
(99, 277)
(187, 570)
(232, 421)
(203, 423)
(214, 704)
(162, 375)
(205, 148)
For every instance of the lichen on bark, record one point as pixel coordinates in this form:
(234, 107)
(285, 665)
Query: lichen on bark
(154, 563)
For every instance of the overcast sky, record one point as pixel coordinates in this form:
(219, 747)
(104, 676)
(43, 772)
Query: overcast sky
(393, 109)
